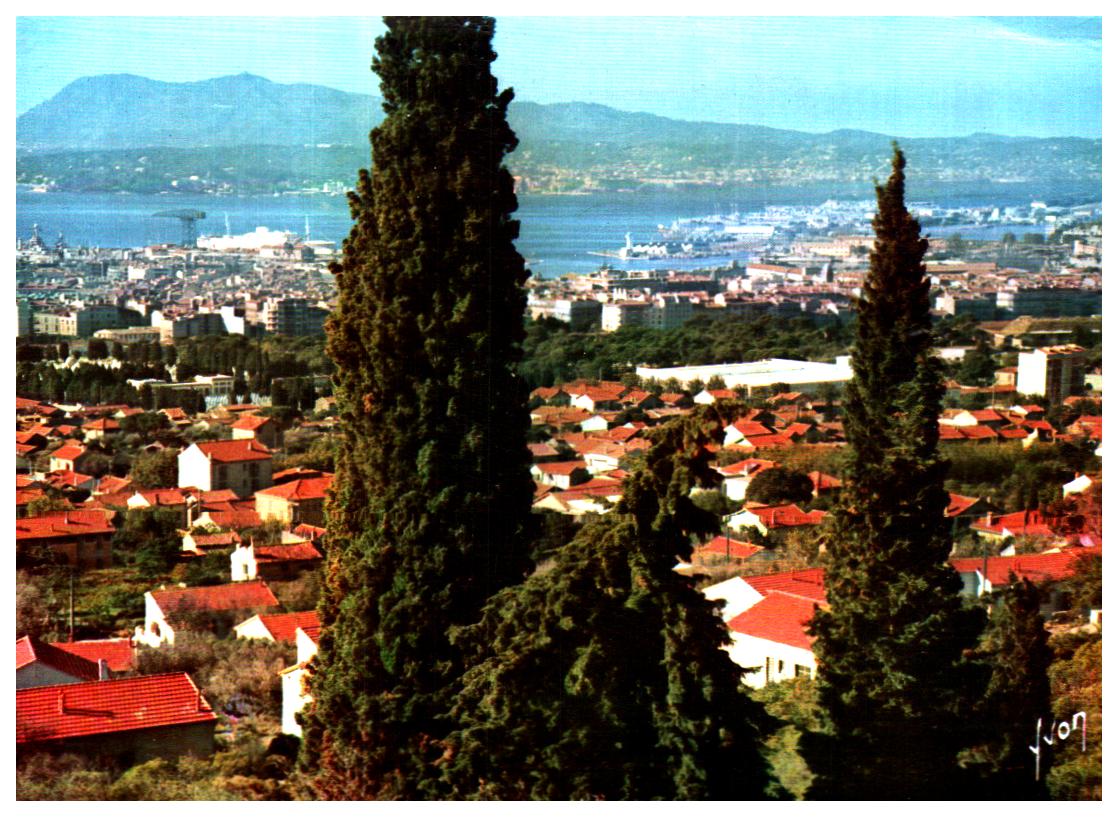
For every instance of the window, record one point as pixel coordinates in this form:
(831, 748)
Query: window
(802, 671)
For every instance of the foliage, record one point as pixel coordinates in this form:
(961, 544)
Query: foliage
(1084, 587)
(793, 703)
(432, 497)
(1016, 648)
(778, 486)
(156, 469)
(893, 681)
(555, 354)
(240, 676)
(149, 540)
(1076, 678)
(210, 569)
(605, 678)
(34, 604)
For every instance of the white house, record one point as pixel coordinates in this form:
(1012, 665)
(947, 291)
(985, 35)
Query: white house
(243, 466)
(769, 639)
(293, 679)
(172, 610)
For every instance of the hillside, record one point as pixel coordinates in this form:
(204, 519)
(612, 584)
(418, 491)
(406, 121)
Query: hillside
(246, 133)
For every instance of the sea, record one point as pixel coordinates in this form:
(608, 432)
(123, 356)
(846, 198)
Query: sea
(558, 234)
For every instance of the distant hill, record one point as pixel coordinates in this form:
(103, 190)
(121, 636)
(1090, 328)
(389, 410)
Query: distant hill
(248, 133)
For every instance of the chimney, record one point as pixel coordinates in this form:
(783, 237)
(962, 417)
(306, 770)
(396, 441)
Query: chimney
(102, 669)
(61, 702)
(199, 699)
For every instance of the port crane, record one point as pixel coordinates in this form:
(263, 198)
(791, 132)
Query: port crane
(188, 219)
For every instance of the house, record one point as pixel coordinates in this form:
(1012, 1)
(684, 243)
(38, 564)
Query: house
(81, 539)
(217, 608)
(130, 720)
(72, 457)
(596, 496)
(708, 397)
(276, 562)
(100, 428)
(561, 475)
(278, 627)
(202, 543)
(982, 574)
(769, 640)
(722, 550)
(767, 518)
(243, 466)
(735, 433)
(255, 427)
(295, 502)
(1001, 529)
(118, 654)
(172, 500)
(293, 679)
(41, 664)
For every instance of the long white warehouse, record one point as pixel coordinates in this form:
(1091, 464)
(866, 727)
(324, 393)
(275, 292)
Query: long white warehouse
(801, 375)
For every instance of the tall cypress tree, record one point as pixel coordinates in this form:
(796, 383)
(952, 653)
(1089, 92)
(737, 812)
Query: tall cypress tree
(432, 493)
(605, 677)
(893, 679)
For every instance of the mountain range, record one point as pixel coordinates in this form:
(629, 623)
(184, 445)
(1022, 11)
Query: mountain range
(247, 133)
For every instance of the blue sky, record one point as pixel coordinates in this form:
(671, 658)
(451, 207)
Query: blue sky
(904, 76)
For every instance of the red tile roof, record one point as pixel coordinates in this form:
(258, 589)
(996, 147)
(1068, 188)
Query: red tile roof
(1036, 567)
(235, 519)
(282, 626)
(297, 489)
(807, 583)
(1021, 523)
(561, 468)
(103, 707)
(222, 539)
(110, 484)
(721, 545)
(311, 532)
(787, 516)
(235, 596)
(64, 523)
(162, 497)
(68, 452)
(29, 650)
(251, 422)
(748, 466)
(778, 617)
(234, 450)
(312, 632)
(117, 652)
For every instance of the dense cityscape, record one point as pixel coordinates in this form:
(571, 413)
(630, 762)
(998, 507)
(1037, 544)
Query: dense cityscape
(600, 549)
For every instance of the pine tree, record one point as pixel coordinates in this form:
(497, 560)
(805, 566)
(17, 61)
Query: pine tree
(1017, 695)
(432, 494)
(893, 679)
(604, 677)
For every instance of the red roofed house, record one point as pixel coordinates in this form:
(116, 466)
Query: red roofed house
(276, 626)
(117, 653)
(561, 475)
(770, 639)
(294, 502)
(255, 427)
(41, 664)
(243, 466)
(163, 499)
(100, 428)
(982, 575)
(721, 550)
(215, 608)
(81, 539)
(277, 562)
(131, 720)
(1000, 529)
(768, 518)
(293, 679)
(69, 458)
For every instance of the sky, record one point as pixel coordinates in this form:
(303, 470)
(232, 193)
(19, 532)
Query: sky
(902, 76)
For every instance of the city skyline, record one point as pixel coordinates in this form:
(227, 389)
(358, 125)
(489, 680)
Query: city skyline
(903, 76)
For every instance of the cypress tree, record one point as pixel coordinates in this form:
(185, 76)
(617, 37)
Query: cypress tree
(432, 493)
(605, 677)
(893, 679)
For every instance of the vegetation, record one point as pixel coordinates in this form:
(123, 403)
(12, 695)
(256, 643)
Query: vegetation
(605, 678)
(893, 681)
(554, 354)
(432, 499)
